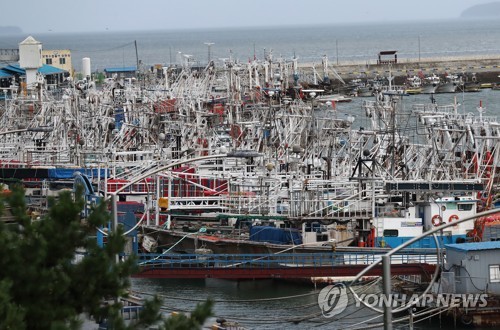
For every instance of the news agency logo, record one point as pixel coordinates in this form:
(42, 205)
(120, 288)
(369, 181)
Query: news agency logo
(444, 300)
(334, 299)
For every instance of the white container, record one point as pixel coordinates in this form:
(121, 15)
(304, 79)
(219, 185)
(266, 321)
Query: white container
(86, 67)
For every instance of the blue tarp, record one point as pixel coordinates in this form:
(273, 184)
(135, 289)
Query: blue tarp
(119, 118)
(275, 235)
(68, 173)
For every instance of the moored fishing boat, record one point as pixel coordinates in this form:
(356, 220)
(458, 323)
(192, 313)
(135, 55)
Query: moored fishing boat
(431, 84)
(452, 84)
(413, 85)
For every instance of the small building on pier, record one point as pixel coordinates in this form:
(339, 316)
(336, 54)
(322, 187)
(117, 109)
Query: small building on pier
(476, 267)
(53, 76)
(121, 72)
(387, 57)
(5, 78)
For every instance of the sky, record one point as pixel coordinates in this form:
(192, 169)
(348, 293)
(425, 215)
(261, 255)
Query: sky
(126, 15)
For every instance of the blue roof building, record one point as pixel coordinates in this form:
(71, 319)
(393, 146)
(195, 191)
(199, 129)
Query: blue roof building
(476, 266)
(52, 75)
(121, 72)
(5, 78)
(5, 74)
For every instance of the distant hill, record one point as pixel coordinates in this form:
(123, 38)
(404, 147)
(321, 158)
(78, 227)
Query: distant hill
(486, 10)
(5, 30)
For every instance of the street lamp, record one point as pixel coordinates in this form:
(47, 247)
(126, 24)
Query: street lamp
(209, 44)
(337, 50)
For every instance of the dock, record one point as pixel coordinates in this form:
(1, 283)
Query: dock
(284, 266)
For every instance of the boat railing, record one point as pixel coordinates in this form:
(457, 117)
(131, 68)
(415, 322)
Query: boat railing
(280, 260)
(258, 198)
(328, 199)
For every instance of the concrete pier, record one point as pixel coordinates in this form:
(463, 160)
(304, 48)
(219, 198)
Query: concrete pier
(486, 67)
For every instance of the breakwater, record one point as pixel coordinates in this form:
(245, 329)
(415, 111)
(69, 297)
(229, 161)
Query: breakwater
(486, 68)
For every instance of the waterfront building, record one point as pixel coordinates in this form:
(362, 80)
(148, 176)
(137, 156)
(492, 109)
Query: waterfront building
(476, 267)
(59, 58)
(121, 72)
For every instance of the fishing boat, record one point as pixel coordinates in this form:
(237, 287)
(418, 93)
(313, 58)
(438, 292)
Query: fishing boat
(452, 84)
(431, 84)
(413, 85)
(471, 84)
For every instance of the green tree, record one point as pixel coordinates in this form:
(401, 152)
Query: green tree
(193, 321)
(41, 285)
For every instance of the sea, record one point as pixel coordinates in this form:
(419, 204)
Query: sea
(345, 43)
(277, 304)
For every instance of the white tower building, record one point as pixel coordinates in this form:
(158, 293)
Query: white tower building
(30, 58)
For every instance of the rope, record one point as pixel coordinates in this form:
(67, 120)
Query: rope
(232, 300)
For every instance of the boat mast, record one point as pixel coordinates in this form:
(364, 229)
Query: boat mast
(136, 55)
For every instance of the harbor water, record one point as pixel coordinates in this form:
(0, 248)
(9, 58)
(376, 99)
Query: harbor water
(270, 304)
(259, 304)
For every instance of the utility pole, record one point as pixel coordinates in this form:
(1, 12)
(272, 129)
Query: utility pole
(337, 49)
(418, 49)
(136, 55)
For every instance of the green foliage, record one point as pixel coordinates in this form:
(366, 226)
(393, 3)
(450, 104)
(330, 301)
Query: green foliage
(194, 321)
(99, 78)
(41, 285)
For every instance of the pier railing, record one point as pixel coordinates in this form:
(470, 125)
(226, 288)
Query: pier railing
(426, 256)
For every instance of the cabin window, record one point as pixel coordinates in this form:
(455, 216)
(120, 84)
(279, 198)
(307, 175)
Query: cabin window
(48, 61)
(321, 237)
(465, 207)
(62, 60)
(494, 273)
(391, 233)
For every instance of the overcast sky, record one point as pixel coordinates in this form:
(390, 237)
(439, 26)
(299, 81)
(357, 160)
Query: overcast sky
(122, 15)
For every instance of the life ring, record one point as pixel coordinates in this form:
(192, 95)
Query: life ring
(452, 218)
(436, 220)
